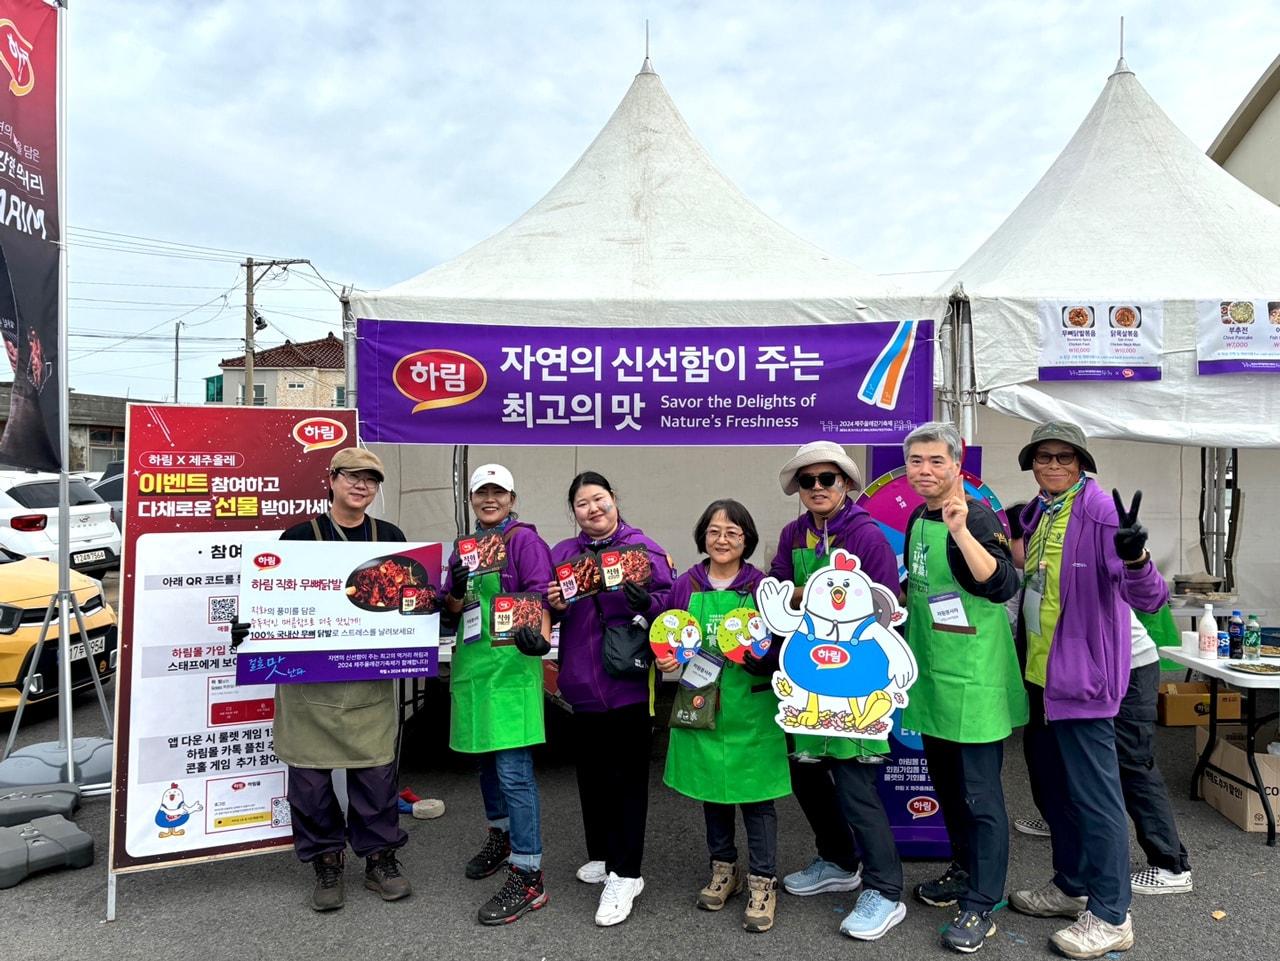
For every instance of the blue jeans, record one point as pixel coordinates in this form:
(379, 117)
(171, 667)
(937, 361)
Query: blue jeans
(511, 803)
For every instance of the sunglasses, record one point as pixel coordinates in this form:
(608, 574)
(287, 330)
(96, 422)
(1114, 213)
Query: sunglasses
(1065, 457)
(826, 479)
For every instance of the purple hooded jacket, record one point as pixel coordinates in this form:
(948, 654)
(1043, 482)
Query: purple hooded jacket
(697, 580)
(584, 682)
(1088, 668)
(851, 528)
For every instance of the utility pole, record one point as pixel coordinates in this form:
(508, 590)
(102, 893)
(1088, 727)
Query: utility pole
(251, 320)
(176, 327)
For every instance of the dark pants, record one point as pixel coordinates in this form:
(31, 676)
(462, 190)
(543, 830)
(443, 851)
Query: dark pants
(967, 780)
(372, 821)
(761, 820)
(611, 751)
(860, 804)
(1145, 796)
(1077, 777)
(815, 790)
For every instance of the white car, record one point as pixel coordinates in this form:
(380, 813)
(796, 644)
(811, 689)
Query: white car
(29, 520)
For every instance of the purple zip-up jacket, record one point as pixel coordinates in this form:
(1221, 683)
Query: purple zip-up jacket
(1089, 659)
(851, 528)
(584, 682)
(697, 580)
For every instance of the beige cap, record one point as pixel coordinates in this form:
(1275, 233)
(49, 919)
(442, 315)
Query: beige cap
(357, 458)
(818, 452)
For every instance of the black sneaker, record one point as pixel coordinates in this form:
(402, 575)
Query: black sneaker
(494, 854)
(521, 892)
(330, 891)
(968, 931)
(382, 874)
(946, 890)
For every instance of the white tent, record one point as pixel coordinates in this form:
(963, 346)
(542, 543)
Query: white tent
(643, 229)
(1131, 211)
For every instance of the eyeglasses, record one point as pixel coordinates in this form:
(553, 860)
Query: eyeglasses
(733, 536)
(826, 479)
(359, 480)
(1064, 457)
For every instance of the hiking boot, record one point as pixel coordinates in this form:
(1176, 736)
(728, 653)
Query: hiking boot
(382, 874)
(944, 891)
(330, 891)
(494, 854)
(726, 881)
(1160, 881)
(872, 916)
(1035, 827)
(821, 876)
(969, 931)
(1049, 901)
(1091, 937)
(762, 899)
(521, 892)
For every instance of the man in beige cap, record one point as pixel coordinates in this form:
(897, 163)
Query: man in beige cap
(344, 725)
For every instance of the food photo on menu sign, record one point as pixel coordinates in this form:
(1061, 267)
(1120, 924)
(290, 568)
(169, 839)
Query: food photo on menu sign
(1114, 341)
(1232, 337)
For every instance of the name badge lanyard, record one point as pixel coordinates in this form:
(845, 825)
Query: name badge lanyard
(1033, 592)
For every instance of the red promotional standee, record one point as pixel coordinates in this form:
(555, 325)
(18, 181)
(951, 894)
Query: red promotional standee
(29, 230)
(196, 775)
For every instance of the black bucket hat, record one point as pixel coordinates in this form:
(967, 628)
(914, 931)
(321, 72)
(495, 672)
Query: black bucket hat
(1061, 430)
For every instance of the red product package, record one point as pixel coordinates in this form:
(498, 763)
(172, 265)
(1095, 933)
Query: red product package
(579, 576)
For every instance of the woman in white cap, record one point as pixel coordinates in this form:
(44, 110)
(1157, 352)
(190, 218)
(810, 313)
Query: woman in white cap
(837, 794)
(496, 693)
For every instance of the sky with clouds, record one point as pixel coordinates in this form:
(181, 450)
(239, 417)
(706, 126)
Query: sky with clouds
(378, 140)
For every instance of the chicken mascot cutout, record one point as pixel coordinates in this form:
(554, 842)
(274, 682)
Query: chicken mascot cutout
(843, 669)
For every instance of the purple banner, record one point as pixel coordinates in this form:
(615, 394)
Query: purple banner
(1099, 373)
(439, 383)
(309, 667)
(910, 801)
(1238, 366)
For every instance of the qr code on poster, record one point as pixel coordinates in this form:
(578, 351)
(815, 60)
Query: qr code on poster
(280, 817)
(222, 609)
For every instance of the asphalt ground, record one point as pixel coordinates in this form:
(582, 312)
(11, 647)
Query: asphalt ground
(255, 907)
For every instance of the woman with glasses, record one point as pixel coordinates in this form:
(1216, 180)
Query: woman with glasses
(495, 690)
(742, 760)
(837, 794)
(612, 722)
(1086, 566)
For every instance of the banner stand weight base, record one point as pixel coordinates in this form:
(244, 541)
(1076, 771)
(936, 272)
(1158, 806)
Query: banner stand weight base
(46, 763)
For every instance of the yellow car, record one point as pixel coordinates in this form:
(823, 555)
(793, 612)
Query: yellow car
(26, 585)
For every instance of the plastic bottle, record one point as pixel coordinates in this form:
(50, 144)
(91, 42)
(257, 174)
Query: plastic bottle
(1224, 645)
(1235, 636)
(1252, 639)
(1208, 630)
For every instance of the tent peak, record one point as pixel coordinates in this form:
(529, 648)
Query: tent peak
(647, 67)
(1121, 67)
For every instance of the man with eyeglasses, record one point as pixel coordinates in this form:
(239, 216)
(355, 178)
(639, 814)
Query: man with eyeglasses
(344, 725)
(837, 793)
(1086, 566)
(969, 696)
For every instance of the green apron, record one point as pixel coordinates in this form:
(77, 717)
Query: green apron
(745, 758)
(495, 690)
(969, 689)
(804, 561)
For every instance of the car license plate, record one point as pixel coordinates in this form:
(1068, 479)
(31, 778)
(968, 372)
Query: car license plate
(86, 556)
(96, 644)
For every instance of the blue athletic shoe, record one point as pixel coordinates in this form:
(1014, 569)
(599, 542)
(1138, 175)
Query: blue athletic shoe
(822, 876)
(405, 806)
(873, 915)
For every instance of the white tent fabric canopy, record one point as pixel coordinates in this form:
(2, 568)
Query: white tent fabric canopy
(1130, 211)
(644, 229)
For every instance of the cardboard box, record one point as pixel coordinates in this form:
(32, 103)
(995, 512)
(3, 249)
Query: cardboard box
(1237, 804)
(1185, 703)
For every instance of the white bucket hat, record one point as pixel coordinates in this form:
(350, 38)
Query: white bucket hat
(491, 474)
(818, 452)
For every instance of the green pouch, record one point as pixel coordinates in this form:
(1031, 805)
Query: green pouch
(695, 708)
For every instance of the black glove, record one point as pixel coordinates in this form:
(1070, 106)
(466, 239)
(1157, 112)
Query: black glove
(531, 642)
(1131, 537)
(637, 597)
(239, 631)
(762, 666)
(458, 575)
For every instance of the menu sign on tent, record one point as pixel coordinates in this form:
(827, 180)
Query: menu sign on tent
(1238, 336)
(1080, 340)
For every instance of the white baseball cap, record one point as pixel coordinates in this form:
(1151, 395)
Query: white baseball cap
(492, 474)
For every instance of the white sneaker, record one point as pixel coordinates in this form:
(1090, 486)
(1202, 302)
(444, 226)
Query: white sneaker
(1091, 937)
(593, 872)
(616, 899)
(1160, 881)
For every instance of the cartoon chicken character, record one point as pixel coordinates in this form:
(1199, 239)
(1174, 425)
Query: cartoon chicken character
(839, 645)
(174, 812)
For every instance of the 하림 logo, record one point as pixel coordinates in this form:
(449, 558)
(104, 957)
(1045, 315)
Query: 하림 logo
(922, 806)
(317, 433)
(266, 561)
(15, 52)
(436, 378)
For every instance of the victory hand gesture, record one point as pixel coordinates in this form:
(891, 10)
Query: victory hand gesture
(955, 509)
(1131, 537)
